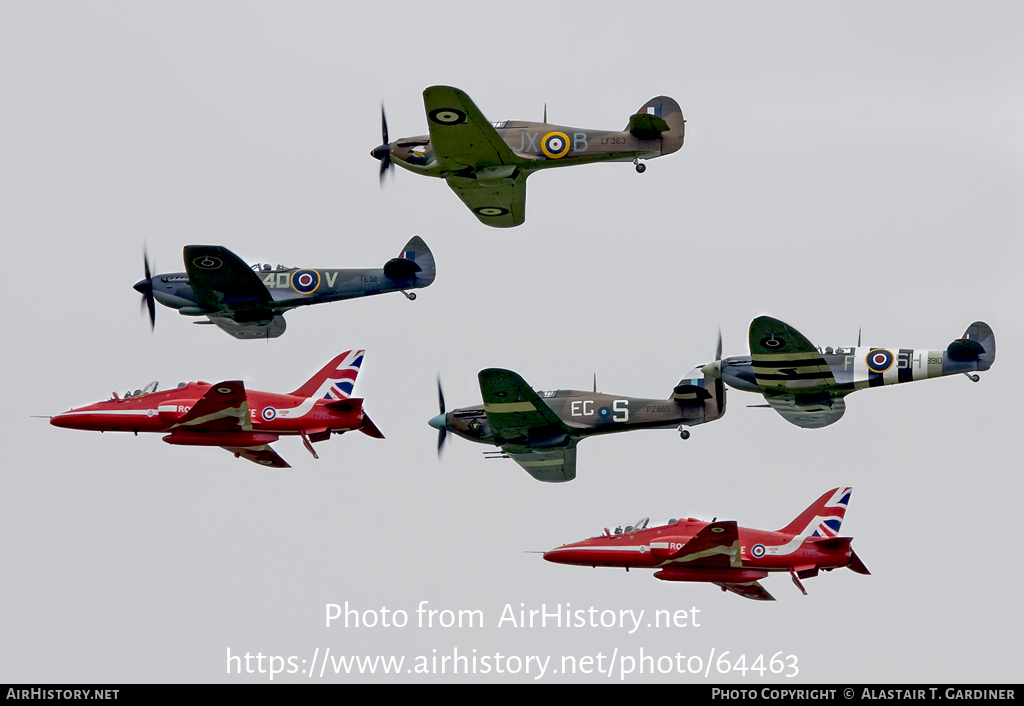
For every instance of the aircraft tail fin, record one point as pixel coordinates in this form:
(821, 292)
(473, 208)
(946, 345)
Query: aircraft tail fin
(660, 117)
(415, 263)
(698, 388)
(824, 516)
(335, 380)
(975, 350)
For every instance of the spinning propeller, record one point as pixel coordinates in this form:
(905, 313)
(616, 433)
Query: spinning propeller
(145, 288)
(439, 422)
(383, 152)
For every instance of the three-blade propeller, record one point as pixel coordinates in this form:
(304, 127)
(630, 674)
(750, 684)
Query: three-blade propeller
(145, 288)
(383, 152)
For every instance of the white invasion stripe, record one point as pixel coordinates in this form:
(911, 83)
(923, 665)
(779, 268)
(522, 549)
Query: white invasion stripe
(860, 368)
(919, 364)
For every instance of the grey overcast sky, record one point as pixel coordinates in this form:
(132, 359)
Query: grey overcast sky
(846, 166)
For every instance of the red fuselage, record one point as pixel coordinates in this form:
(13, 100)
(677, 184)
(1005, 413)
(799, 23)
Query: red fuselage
(655, 548)
(270, 415)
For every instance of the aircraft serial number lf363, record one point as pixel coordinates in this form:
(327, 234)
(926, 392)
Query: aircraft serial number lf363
(539, 431)
(248, 302)
(806, 385)
(244, 422)
(731, 557)
(486, 164)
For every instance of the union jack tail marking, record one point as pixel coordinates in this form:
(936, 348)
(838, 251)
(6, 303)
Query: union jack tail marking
(824, 517)
(335, 380)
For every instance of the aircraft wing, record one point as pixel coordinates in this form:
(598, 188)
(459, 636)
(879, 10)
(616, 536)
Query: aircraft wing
(752, 589)
(224, 407)
(460, 135)
(811, 411)
(784, 359)
(499, 204)
(223, 282)
(263, 455)
(265, 328)
(515, 412)
(552, 465)
(716, 546)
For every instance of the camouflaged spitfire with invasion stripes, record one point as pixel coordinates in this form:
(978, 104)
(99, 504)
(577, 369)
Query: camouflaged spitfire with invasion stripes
(486, 164)
(806, 384)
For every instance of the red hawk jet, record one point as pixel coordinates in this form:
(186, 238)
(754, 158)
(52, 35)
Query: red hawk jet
(734, 558)
(244, 422)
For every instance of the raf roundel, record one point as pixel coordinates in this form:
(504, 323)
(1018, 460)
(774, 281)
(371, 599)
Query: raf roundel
(268, 414)
(490, 211)
(772, 342)
(757, 551)
(447, 116)
(555, 145)
(604, 412)
(879, 360)
(305, 281)
(207, 262)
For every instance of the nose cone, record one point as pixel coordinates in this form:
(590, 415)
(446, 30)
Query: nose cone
(64, 421)
(437, 422)
(380, 152)
(143, 286)
(713, 370)
(566, 554)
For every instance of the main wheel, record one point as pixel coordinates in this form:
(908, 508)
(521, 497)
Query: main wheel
(641, 168)
(684, 434)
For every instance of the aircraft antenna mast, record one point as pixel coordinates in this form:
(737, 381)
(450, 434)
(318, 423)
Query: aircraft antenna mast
(595, 383)
(545, 112)
(858, 337)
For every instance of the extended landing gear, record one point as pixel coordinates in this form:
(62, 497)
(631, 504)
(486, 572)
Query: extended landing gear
(411, 296)
(684, 434)
(972, 377)
(640, 166)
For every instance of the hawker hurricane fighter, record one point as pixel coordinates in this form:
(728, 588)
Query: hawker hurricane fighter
(539, 431)
(244, 422)
(806, 385)
(486, 164)
(731, 557)
(248, 302)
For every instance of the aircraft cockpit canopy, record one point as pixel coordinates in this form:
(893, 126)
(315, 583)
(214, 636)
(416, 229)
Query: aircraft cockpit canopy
(643, 523)
(839, 350)
(266, 267)
(547, 393)
(500, 124)
(151, 387)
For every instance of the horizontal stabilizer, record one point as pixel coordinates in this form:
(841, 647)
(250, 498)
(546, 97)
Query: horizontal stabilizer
(857, 565)
(369, 428)
(644, 126)
(690, 393)
(400, 268)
